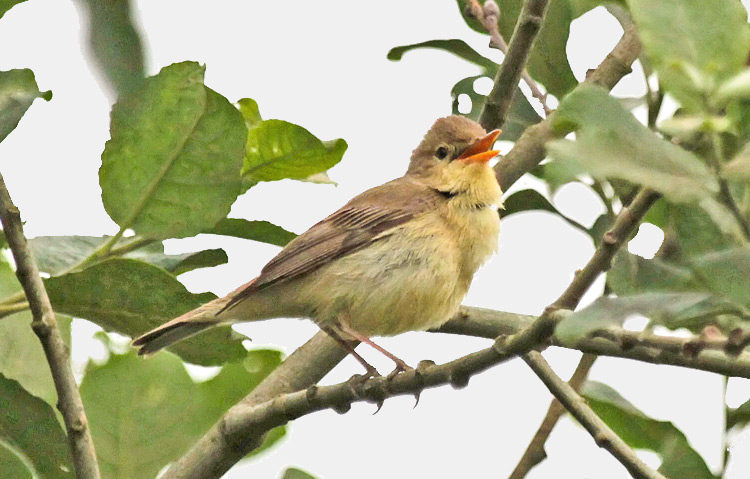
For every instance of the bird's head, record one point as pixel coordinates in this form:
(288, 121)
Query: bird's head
(454, 158)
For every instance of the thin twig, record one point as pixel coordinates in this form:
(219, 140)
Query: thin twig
(498, 101)
(529, 150)
(535, 452)
(576, 405)
(9, 309)
(488, 16)
(45, 326)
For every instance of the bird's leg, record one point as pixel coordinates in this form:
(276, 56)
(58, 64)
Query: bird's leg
(371, 371)
(400, 364)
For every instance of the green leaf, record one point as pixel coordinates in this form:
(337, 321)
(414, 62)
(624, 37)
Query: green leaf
(632, 274)
(28, 424)
(457, 47)
(610, 142)
(726, 272)
(694, 231)
(21, 355)
(18, 90)
(739, 416)
(115, 44)
(250, 112)
(693, 44)
(12, 465)
(57, 254)
(171, 168)
(526, 200)
(6, 5)
(548, 60)
(278, 149)
(679, 459)
(146, 413)
(738, 169)
(608, 311)
(131, 297)
(294, 473)
(262, 231)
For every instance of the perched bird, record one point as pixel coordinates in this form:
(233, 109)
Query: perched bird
(398, 257)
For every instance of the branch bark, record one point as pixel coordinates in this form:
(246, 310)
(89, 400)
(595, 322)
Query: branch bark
(576, 405)
(45, 326)
(498, 101)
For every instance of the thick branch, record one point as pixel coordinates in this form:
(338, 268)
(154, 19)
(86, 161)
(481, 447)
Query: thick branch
(529, 150)
(576, 405)
(498, 101)
(45, 326)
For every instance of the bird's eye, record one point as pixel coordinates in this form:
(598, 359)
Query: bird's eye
(442, 153)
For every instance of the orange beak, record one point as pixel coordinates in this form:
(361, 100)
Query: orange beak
(479, 151)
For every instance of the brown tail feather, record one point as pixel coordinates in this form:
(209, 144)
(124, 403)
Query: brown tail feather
(169, 334)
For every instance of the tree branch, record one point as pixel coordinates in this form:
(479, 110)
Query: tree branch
(498, 101)
(576, 405)
(529, 149)
(45, 326)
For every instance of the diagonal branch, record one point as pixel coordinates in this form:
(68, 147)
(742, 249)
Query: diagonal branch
(44, 325)
(498, 101)
(576, 405)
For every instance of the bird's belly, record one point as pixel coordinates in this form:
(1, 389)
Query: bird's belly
(395, 285)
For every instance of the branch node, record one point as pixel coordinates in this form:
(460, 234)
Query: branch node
(459, 379)
(602, 440)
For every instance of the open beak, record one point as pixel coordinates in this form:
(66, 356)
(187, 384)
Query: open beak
(479, 151)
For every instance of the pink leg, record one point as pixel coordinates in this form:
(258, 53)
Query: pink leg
(371, 371)
(400, 364)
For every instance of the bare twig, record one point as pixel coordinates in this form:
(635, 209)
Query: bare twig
(529, 150)
(45, 326)
(488, 16)
(498, 101)
(576, 405)
(535, 452)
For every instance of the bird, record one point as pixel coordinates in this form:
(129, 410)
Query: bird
(399, 257)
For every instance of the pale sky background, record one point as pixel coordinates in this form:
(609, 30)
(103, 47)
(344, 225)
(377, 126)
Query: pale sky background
(323, 65)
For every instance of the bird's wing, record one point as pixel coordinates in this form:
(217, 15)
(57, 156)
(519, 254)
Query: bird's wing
(364, 220)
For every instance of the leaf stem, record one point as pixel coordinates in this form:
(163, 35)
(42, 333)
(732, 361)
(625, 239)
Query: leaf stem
(7, 310)
(725, 195)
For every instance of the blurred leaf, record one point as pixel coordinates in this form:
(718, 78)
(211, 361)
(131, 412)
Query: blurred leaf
(115, 44)
(610, 311)
(269, 440)
(739, 416)
(56, 254)
(6, 5)
(146, 413)
(21, 355)
(28, 424)
(706, 41)
(559, 172)
(738, 169)
(632, 274)
(277, 150)
(131, 297)
(726, 272)
(294, 473)
(679, 459)
(610, 142)
(171, 168)
(694, 230)
(250, 112)
(262, 231)
(548, 60)
(457, 47)
(18, 90)
(12, 465)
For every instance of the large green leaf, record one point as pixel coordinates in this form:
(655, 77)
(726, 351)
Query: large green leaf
(171, 168)
(457, 47)
(115, 43)
(146, 413)
(18, 90)
(610, 142)
(727, 272)
(56, 254)
(665, 308)
(277, 150)
(694, 231)
(548, 60)
(21, 355)
(28, 424)
(693, 43)
(131, 297)
(262, 231)
(633, 274)
(679, 459)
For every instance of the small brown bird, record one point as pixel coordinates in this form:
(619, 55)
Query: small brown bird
(399, 257)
